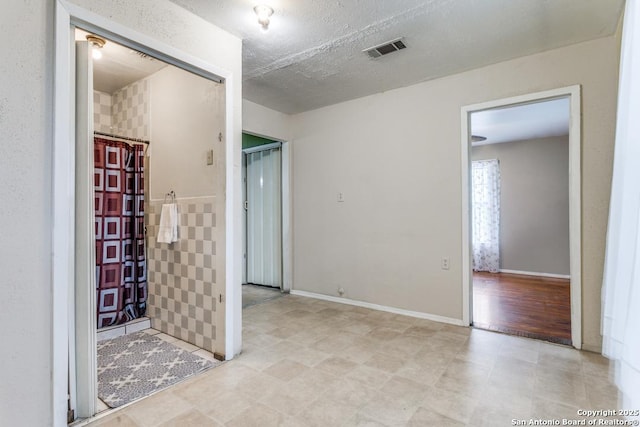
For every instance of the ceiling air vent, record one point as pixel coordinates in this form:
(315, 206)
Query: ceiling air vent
(142, 55)
(385, 48)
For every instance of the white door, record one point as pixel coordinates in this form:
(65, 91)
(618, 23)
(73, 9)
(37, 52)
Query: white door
(264, 215)
(83, 385)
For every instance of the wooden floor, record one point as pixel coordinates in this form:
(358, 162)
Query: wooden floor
(527, 306)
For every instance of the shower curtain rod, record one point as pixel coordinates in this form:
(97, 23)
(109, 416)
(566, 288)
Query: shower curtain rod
(126, 138)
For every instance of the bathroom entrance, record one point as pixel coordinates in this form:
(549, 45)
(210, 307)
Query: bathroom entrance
(149, 140)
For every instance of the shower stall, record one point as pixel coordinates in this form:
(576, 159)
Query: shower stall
(121, 268)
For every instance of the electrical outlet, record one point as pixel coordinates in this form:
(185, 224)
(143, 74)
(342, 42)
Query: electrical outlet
(444, 263)
(341, 291)
(341, 197)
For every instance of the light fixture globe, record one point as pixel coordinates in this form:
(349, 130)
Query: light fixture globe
(263, 12)
(96, 43)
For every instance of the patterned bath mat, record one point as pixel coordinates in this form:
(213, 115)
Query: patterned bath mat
(138, 364)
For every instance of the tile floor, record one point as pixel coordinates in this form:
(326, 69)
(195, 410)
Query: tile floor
(255, 294)
(315, 363)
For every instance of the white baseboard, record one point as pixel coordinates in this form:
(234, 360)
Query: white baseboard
(395, 310)
(533, 273)
(592, 348)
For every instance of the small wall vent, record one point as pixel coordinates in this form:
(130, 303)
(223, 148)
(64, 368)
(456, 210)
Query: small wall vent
(385, 48)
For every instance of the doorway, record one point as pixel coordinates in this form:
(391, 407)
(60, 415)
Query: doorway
(262, 278)
(153, 293)
(263, 206)
(77, 360)
(520, 220)
(519, 283)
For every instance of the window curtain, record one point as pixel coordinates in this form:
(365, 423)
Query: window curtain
(264, 218)
(485, 202)
(121, 273)
(621, 287)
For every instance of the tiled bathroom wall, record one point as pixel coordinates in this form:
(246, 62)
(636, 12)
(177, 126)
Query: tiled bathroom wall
(130, 110)
(182, 277)
(102, 103)
(125, 113)
(183, 294)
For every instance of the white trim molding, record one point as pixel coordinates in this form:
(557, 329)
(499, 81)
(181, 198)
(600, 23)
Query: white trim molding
(536, 274)
(185, 199)
(575, 212)
(63, 222)
(263, 147)
(418, 314)
(287, 215)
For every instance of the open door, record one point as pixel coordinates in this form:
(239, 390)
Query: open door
(83, 352)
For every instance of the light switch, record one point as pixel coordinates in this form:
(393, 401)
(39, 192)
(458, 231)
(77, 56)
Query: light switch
(210, 157)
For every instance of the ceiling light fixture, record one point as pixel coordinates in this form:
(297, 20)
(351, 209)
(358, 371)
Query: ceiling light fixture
(97, 43)
(263, 12)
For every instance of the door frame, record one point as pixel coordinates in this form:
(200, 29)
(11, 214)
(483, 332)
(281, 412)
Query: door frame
(68, 15)
(83, 391)
(285, 211)
(575, 236)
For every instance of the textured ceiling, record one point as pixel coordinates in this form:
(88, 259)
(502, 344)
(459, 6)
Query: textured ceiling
(312, 54)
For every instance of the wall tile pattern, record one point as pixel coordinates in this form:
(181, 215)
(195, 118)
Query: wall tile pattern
(102, 103)
(182, 275)
(130, 110)
(182, 294)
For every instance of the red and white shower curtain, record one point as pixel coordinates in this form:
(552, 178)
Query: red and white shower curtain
(121, 273)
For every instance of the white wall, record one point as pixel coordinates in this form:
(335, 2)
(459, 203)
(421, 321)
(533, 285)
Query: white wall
(187, 114)
(396, 158)
(26, 118)
(534, 203)
(26, 97)
(265, 122)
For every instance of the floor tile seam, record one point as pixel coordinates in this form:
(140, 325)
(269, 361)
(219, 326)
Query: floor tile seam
(314, 402)
(556, 402)
(208, 414)
(542, 370)
(460, 420)
(131, 411)
(190, 412)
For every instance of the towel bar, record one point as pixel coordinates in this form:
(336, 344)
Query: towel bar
(171, 195)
